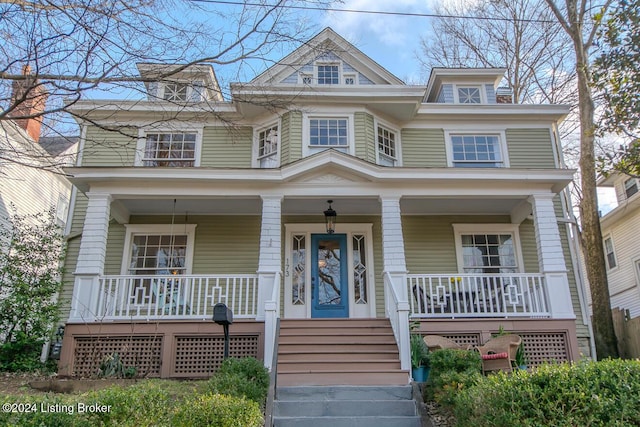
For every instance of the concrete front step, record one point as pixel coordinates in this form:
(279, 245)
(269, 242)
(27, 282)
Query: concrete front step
(345, 406)
(341, 377)
(347, 422)
(345, 392)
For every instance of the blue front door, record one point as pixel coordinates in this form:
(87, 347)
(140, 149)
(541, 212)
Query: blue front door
(329, 283)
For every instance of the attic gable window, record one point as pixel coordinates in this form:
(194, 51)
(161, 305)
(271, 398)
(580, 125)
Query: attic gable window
(469, 95)
(328, 74)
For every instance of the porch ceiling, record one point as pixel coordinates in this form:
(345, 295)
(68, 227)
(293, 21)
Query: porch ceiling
(316, 205)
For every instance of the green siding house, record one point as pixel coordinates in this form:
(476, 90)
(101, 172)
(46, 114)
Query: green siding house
(449, 210)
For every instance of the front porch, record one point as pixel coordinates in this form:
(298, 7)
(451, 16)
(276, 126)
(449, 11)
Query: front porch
(419, 244)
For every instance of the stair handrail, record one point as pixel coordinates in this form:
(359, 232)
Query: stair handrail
(397, 310)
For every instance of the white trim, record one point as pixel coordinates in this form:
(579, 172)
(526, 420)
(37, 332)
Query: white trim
(151, 229)
(355, 310)
(480, 228)
(384, 124)
(255, 150)
(308, 149)
(502, 140)
(166, 127)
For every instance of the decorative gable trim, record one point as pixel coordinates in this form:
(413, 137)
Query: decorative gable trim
(327, 41)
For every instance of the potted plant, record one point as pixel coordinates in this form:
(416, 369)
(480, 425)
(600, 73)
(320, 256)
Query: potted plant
(419, 359)
(521, 360)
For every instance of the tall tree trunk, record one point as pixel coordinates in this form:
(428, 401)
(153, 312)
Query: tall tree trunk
(605, 338)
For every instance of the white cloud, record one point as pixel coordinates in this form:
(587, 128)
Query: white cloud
(388, 30)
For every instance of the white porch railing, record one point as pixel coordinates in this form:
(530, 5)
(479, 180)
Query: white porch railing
(468, 295)
(175, 296)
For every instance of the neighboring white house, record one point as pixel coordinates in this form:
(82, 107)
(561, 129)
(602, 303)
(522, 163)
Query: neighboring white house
(621, 238)
(31, 178)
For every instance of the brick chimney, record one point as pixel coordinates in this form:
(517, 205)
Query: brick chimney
(504, 95)
(29, 99)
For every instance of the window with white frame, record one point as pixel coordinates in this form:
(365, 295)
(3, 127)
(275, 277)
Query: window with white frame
(630, 187)
(387, 150)
(469, 95)
(157, 254)
(488, 253)
(268, 146)
(170, 149)
(62, 209)
(175, 91)
(476, 150)
(349, 79)
(329, 132)
(306, 79)
(488, 248)
(328, 74)
(610, 253)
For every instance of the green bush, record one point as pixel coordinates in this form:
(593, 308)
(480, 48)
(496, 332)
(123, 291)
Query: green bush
(219, 411)
(246, 377)
(452, 371)
(585, 394)
(21, 355)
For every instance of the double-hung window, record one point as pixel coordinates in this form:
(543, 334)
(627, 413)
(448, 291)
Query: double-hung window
(170, 149)
(488, 253)
(268, 147)
(476, 150)
(610, 253)
(387, 149)
(630, 187)
(158, 254)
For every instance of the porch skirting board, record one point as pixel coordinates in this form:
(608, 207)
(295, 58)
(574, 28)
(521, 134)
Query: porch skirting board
(167, 349)
(545, 340)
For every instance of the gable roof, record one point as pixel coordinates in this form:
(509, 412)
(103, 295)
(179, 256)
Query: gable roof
(327, 41)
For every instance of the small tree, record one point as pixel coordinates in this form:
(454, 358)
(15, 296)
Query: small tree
(32, 250)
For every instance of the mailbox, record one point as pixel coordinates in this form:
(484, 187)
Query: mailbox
(222, 314)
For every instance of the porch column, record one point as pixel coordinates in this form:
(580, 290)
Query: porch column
(395, 268)
(551, 256)
(269, 267)
(91, 257)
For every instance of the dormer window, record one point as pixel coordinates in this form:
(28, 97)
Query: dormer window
(387, 149)
(183, 91)
(175, 91)
(328, 74)
(469, 95)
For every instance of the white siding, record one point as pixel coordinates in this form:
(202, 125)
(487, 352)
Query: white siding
(623, 279)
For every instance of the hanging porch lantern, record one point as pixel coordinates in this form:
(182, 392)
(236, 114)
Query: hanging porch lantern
(330, 218)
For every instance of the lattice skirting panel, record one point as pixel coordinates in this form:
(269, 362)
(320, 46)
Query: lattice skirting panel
(464, 339)
(202, 355)
(545, 347)
(142, 352)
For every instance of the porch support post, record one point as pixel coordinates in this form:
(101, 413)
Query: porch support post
(91, 257)
(270, 249)
(269, 267)
(395, 268)
(551, 256)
